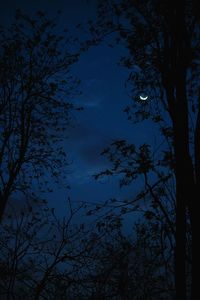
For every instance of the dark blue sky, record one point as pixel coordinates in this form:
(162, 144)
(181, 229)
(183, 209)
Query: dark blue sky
(104, 97)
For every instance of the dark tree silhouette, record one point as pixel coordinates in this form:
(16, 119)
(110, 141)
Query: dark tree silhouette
(43, 256)
(139, 266)
(163, 40)
(35, 105)
(41, 252)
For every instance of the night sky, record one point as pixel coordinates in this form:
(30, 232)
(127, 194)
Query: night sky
(103, 97)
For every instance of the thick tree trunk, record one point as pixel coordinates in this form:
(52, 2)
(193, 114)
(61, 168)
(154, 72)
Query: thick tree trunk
(181, 199)
(194, 215)
(195, 269)
(184, 185)
(178, 61)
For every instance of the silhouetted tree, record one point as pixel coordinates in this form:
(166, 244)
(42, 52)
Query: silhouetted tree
(35, 103)
(139, 266)
(163, 40)
(41, 251)
(44, 256)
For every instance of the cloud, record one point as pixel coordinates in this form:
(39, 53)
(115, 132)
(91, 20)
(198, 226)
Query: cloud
(93, 103)
(81, 131)
(90, 153)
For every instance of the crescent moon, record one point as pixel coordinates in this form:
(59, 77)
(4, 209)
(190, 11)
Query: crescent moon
(143, 98)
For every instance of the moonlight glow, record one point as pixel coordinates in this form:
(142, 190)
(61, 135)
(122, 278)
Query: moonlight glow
(143, 98)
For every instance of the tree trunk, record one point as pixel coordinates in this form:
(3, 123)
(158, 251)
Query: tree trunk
(194, 209)
(178, 61)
